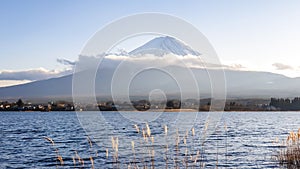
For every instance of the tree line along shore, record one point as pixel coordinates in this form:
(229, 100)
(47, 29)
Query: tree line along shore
(171, 105)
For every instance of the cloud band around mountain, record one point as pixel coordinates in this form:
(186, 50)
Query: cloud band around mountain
(32, 74)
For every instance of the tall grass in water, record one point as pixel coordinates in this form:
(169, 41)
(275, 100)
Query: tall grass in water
(58, 157)
(290, 156)
(147, 151)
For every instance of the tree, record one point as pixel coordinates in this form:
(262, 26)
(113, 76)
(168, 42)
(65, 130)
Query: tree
(20, 103)
(173, 104)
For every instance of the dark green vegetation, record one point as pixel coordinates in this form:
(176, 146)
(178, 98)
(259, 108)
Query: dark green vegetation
(28, 106)
(286, 104)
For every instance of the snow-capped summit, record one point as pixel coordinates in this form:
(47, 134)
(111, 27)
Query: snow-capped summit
(164, 45)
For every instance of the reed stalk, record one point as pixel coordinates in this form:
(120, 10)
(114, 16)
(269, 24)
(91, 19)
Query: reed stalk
(290, 156)
(58, 157)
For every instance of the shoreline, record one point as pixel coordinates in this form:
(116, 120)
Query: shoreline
(167, 111)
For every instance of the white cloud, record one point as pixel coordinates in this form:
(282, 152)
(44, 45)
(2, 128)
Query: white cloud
(66, 62)
(8, 77)
(189, 61)
(13, 77)
(5, 83)
(32, 74)
(236, 66)
(166, 60)
(281, 66)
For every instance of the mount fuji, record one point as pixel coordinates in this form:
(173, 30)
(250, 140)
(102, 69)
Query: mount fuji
(239, 83)
(164, 45)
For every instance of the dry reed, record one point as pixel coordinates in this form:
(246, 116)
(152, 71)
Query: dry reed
(58, 157)
(182, 153)
(290, 156)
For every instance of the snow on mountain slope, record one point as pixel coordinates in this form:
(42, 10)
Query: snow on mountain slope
(164, 45)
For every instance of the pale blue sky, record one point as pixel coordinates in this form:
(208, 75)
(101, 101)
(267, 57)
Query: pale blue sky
(254, 33)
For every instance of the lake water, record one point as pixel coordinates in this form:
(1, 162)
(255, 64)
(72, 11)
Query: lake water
(248, 141)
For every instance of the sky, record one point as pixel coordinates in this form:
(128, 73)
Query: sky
(258, 35)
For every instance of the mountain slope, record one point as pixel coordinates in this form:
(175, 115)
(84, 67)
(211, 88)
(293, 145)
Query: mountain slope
(58, 87)
(239, 84)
